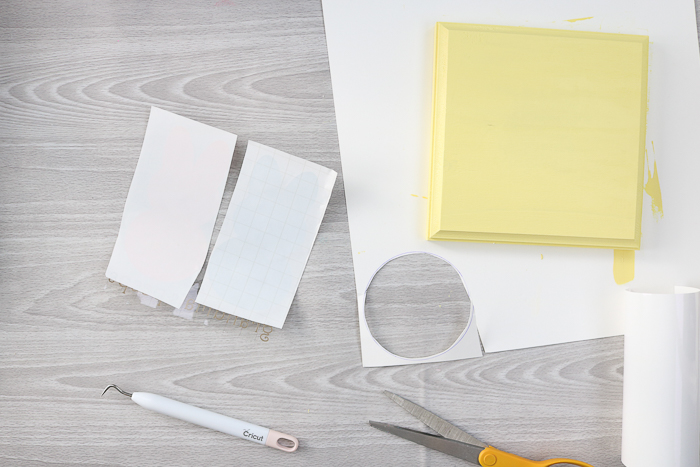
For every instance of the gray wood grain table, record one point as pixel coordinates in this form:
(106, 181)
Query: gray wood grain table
(76, 82)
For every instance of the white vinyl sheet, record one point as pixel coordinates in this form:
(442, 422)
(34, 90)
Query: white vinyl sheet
(381, 61)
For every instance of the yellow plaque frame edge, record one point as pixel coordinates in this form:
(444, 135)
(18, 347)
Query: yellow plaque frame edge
(436, 165)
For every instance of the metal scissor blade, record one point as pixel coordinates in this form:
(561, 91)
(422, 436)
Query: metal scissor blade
(443, 427)
(466, 451)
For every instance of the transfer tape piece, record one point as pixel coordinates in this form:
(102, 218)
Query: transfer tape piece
(266, 238)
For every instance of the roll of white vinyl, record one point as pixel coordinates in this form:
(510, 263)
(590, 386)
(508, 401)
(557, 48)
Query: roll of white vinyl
(661, 409)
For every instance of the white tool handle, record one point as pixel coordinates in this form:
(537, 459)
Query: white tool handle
(215, 421)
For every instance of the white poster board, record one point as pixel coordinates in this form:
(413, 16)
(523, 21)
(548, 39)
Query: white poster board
(381, 59)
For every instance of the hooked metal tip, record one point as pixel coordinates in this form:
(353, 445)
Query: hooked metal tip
(128, 394)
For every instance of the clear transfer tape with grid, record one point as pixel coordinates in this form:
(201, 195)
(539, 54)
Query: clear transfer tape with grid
(267, 235)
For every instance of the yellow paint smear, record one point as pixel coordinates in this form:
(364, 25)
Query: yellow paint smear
(578, 19)
(623, 266)
(653, 189)
(415, 196)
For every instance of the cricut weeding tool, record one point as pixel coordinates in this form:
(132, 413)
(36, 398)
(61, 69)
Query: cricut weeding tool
(214, 421)
(458, 443)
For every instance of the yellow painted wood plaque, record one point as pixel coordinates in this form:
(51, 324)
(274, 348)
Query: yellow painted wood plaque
(538, 136)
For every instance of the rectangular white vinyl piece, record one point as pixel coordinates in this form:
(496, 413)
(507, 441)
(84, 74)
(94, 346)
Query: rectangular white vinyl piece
(171, 207)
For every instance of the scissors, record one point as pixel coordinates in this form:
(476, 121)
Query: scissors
(458, 443)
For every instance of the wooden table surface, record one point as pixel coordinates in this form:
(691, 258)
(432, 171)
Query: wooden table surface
(77, 79)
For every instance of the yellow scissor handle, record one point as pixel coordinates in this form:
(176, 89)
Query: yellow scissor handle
(492, 457)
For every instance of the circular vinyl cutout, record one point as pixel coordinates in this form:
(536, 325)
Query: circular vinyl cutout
(416, 306)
